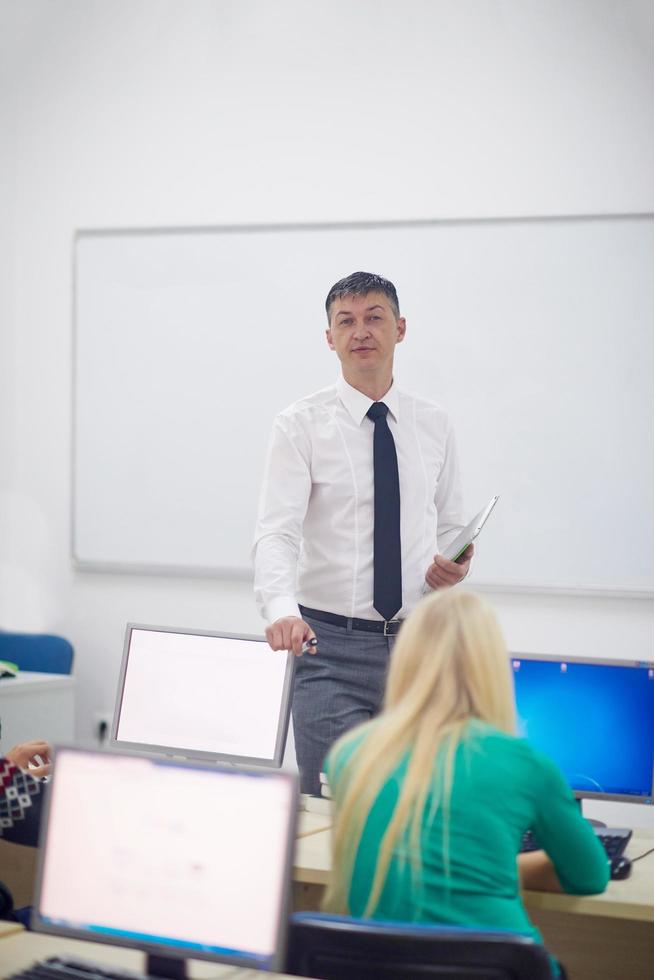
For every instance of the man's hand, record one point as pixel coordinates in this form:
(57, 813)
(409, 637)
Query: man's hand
(289, 633)
(444, 573)
(35, 756)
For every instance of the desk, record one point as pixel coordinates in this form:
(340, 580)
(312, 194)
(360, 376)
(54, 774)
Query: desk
(34, 705)
(9, 928)
(312, 823)
(597, 937)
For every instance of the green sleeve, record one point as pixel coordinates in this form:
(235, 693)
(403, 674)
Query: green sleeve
(569, 840)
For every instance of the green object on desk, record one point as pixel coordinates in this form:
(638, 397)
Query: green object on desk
(8, 669)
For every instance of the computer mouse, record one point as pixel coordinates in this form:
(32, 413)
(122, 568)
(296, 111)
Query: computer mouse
(620, 868)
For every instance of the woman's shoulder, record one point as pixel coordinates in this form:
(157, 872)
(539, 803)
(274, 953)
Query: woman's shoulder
(506, 745)
(343, 750)
(518, 761)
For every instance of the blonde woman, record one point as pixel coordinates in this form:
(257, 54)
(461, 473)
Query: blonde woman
(432, 797)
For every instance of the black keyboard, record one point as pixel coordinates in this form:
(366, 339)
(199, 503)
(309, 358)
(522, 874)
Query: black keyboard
(58, 968)
(613, 839)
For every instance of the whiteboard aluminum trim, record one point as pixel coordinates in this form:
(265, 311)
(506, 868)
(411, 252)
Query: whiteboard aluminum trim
(243, 575)
(354, 225)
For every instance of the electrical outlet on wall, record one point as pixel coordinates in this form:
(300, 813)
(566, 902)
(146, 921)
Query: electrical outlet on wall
(102, 726)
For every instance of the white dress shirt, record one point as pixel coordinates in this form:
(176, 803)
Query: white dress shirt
(314, 537)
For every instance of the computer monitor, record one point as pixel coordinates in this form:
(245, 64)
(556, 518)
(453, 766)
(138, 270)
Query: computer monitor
(594, 718)
(195, 694)
(175, 858)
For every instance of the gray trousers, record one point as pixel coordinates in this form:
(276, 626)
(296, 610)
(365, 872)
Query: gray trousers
(334, 690)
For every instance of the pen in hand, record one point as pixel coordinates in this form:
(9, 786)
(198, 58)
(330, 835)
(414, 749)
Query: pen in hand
(309, 646)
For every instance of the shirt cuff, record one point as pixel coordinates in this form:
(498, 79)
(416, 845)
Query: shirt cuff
(280, 606)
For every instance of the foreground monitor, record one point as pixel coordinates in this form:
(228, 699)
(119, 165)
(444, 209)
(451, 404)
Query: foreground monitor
(594, 718)
(214, 696)
(167, 857)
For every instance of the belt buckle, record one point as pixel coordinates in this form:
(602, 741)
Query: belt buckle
(390, 622)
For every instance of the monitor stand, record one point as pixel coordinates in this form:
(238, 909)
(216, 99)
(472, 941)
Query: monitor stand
(590, 820)
(169, 967)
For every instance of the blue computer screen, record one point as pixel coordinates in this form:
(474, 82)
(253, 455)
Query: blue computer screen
(595, 720)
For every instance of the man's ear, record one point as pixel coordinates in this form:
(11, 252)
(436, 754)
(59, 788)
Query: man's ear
(401, 329)
(328, 335)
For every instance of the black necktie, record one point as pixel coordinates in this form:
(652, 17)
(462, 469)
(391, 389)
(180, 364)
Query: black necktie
(387, 591)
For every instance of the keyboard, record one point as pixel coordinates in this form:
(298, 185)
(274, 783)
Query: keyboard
(613, 839)
(60, 968)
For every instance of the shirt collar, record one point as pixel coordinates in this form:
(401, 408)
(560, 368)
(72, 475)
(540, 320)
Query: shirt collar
(358, 404)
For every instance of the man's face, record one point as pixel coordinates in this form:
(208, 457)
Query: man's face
(363, 330)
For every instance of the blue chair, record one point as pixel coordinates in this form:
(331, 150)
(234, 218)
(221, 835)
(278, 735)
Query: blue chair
(334, 947)
(40, 652)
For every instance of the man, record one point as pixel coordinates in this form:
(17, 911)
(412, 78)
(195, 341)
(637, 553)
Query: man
(352, 508)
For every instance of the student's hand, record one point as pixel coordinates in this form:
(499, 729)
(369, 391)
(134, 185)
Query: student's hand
(34, 756)
(289, 633)
(537, 873)
(443, 573)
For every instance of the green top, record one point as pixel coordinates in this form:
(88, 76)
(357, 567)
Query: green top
(501, 787)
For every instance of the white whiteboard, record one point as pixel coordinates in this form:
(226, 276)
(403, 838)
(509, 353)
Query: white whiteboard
(536, 335)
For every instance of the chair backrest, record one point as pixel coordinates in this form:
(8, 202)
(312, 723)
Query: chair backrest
(333, 947)
(40, 652)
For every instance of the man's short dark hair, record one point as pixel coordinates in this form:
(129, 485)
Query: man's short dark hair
(360, 284)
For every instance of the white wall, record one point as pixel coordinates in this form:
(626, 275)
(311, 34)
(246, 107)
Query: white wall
(157, 113)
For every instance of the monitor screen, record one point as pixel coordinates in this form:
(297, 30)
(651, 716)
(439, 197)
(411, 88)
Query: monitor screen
(216, 696)
(168, 857)
(594, 718)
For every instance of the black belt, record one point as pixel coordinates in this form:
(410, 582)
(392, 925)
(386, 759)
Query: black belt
(389, 627)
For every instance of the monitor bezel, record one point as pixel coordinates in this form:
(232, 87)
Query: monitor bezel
(161, 950)
(601, 662)
(177, 751)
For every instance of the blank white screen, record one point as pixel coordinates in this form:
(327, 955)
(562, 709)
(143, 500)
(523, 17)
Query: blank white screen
(203, 693)
(138, 847)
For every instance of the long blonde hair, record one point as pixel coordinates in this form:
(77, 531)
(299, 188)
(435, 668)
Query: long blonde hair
(450, 664)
